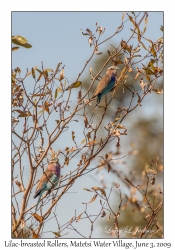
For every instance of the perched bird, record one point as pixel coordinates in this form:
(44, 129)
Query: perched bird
(106, 84)
(49, 179)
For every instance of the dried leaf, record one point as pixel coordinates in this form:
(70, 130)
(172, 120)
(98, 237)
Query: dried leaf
(143, 45)
(49, 70)
(87, 189)
(85, 121)
(92, 200)
(92, 142)
(35, 68)
(146, 19)
(158, 91)
(139, 99)
(119, 126)
(153, 180)
(73, 136)
(15, 48)
(123, 16)
(83, 141)
(142, 84)
(89, 134)
(33, 73)
(37, 217)
(57, 234)
(34, 235)
(79, 95)
(103, 213)
(71, 149)
(100, 189)
(61, 77)
(79, 216)
(25, 114)
(19, 185)
(22, 225)
(39, 77)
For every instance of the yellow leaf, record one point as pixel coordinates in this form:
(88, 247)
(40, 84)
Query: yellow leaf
(19, 40)
(59, 89)
(57, 234)
(37, 217)
(83, 141)
(33, 73)
(120, 126)
(92, 200)
(74, 85)
(147, 77)
(49, 70)
(15, 48)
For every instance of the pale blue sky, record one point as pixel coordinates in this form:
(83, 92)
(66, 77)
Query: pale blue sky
(55, 37)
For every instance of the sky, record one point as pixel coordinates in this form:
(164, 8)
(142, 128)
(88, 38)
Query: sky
(56, 37)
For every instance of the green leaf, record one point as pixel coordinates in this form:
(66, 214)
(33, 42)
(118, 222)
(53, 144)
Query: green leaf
(74, 85)
(56, 94)
(161, 28)
(39, 71)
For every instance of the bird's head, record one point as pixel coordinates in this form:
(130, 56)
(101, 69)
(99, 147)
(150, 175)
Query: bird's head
(112, 70)
(53, 159)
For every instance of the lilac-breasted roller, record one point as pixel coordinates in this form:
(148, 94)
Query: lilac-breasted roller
(106, 84)
(49, 179)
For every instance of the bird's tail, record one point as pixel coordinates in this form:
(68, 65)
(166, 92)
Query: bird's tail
(39, 198)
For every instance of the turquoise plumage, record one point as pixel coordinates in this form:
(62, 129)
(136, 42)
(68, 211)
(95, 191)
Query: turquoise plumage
(106, 84)
(49, 179)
